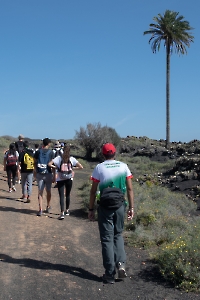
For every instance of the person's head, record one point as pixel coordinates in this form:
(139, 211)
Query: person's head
(57, 145)
(26, 144)
(46, 142)
(12, 148)
(37, 146)
(20, 137)
(108, 151)
(66, 154)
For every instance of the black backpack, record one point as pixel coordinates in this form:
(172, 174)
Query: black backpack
(111, 198)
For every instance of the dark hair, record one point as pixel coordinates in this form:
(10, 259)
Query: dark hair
(46, 141)
(66, 154)
(36, 145)
(12, 149)
(108, 156)
(26, 144)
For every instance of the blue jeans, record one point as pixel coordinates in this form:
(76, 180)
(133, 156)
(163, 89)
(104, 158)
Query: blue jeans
(111, 225)
(27, 181)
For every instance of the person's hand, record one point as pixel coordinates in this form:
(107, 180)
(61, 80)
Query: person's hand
(130, 214)
(91, 215)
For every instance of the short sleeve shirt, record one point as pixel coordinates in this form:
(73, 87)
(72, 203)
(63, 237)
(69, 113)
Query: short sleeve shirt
(57, 162)
(111, 173)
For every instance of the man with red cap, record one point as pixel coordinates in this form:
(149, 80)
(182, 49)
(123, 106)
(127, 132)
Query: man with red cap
(114, 179)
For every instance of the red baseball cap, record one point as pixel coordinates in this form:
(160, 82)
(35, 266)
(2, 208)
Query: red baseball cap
(108, 149)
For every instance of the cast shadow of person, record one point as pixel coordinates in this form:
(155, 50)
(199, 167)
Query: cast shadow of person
(42, 265)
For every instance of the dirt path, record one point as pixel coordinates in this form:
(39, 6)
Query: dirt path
(44, 258)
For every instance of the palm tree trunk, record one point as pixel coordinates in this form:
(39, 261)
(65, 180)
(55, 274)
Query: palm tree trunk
(168, 95)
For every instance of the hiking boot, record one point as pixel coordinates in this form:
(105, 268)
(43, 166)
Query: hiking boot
(39, 214)
(61, 217)
(67, 212)
(108, 278)
(14, 188)
(121, 270)
(48, 208)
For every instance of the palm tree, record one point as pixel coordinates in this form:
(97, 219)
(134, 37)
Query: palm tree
(174, 31)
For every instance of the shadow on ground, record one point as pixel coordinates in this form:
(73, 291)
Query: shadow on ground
(38, 264)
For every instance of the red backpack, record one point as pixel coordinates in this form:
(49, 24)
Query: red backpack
(11, 159)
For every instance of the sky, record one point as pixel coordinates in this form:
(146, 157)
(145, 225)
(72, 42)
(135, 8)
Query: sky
(67, 63)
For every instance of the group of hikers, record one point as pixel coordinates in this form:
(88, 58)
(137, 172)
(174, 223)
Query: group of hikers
(45, 165)
(111, 179)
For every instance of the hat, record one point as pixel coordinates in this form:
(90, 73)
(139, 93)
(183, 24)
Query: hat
(57, 144)
(62, 144)
(108, 149)
(20, 137)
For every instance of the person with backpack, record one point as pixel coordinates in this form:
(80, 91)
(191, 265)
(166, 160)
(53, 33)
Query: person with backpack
(19, 145)
(57, 152)
(65, 165)
(43, 173)
(10, 166)
(26, 162)
(114, 180)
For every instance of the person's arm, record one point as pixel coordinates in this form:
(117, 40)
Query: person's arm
(51, 164)
(130, 196)
(4, 163)
(93, 190)
(78, 166)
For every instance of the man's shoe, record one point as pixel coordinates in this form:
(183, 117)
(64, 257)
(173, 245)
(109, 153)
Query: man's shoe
(14, 188)
(39, 214)
(108, 278)
(121, 270)
(27, 201)
(22, 197)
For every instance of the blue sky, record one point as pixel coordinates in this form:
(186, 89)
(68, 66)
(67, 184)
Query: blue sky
(67, 63)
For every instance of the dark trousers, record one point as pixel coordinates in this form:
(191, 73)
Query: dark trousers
(11, 175)
(64, 186)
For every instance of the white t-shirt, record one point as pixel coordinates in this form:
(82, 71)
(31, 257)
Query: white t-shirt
(111, 173)
(57, 162)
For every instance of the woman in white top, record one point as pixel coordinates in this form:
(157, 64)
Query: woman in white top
(65, 165)
(10, 166)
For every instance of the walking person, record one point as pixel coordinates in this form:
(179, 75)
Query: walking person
(114, 180)
(43, 173)
(11, 166)
(65, 165)
(57, 151)
(26, 162)
(19, 145)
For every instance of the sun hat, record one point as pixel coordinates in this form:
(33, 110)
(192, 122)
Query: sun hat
(20, 137)
(108, 149)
